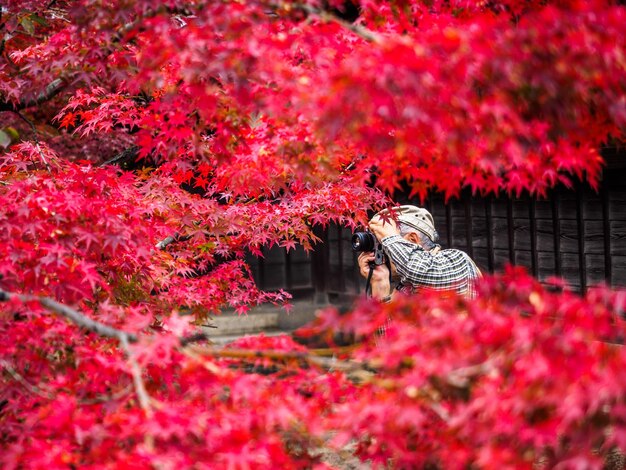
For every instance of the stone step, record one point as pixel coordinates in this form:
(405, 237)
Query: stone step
(233, 324)
(266, 319)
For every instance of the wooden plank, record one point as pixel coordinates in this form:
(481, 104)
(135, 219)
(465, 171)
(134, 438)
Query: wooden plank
(606, 227)
(567, 205)
(546, 265)
(274, 278)
(253, 264)
(274, 256)
(533, 235)
(343, 257)
(468, 228)
(448, 225)
(320, 266)
(618, 237)
(594, 237)
(481, 258)
(457, 208)
(545, 235)
(500, 233)
(592, 207)
(619, 271)
(571, 270)
(499, 207)
(500, 259)
(489, 227)
(520, 207)
(479, 233)
(511, 230)
(594, 268)
(334, 234)
(440, 219)
(459, 233)
(580, 201)
(524, 258)
(556, 230)
(301, 275)
(479, 205)
(299, 255)
(617, 204)
(543, 209)
(568, 236)
(522, 235)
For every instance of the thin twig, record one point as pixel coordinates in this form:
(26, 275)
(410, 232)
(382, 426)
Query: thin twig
(83, 321)
(357, 29)
(461, 377)
(140, 389)
(35, 132)
(49, 395)
(34, 389)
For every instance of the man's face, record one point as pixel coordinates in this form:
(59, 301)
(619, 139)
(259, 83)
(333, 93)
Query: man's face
(412, 237)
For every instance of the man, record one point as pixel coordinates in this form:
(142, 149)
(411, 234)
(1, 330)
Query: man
(408, 238)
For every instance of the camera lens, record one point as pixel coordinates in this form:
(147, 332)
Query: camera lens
(363, 241)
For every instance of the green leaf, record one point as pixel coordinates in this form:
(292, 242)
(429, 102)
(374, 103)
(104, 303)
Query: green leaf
(5, 139)
(41, 21)
(27, 24)
(12, 133)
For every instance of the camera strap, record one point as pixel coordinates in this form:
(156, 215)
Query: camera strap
(368, 283)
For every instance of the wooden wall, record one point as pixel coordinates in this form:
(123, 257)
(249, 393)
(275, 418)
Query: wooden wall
(575, 233)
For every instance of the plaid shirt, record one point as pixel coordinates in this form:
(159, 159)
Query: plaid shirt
(444, 270)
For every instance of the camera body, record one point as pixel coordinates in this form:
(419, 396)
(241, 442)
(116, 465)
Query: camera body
(366, 242)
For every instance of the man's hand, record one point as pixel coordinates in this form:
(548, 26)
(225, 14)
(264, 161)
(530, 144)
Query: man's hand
(380, 276)
(383, 228)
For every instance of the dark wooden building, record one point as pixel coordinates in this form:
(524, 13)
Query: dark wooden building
(575, 233)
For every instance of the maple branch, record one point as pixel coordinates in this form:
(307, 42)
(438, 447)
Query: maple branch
(51, 90)
(34, 129)
(48, 395)
(125, 156)
(176, 237)
(73, 315)
(357, 29)
(140, 389)
(83, 321)
(35, 390)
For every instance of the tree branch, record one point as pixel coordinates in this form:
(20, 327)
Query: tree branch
(83, 321)
(53, 89)
(73, 315)
(171, 239)
(357, 29)
(35, 390)
(124, 157)
(49, 395)
(34, 129)
(140, 389)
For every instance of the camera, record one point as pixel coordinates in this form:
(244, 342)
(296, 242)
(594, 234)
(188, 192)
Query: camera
(366, 242)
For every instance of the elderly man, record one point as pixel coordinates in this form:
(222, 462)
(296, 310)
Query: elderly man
(408, 238)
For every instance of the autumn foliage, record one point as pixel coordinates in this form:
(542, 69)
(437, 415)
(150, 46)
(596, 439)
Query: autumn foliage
(147, 147)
